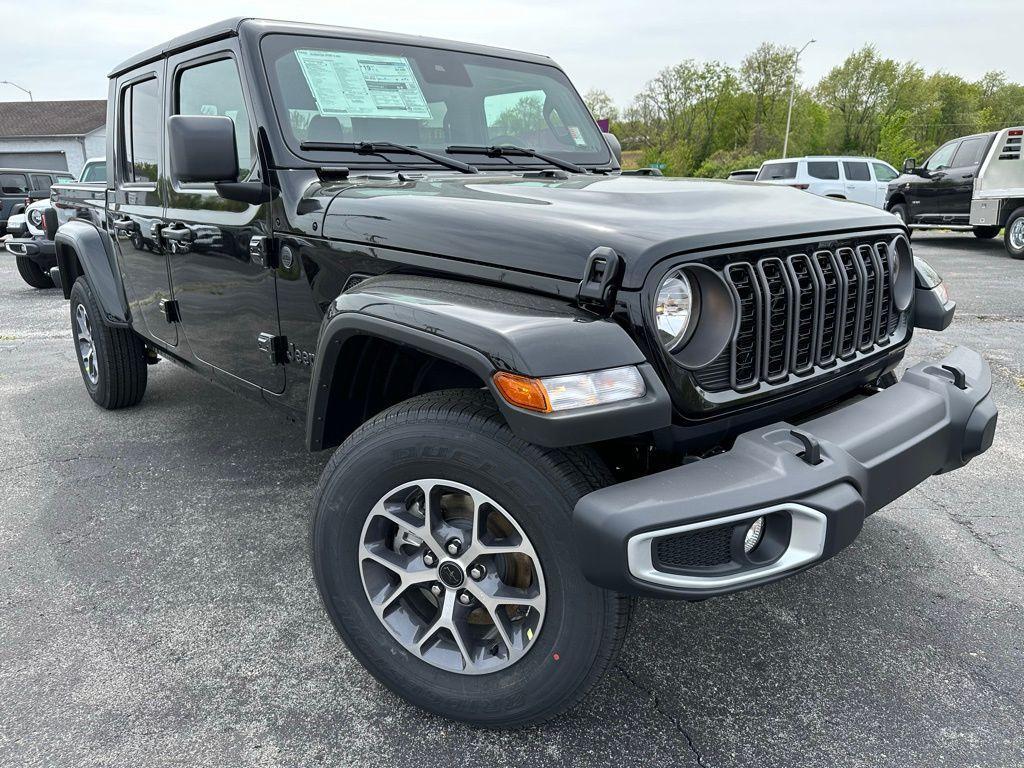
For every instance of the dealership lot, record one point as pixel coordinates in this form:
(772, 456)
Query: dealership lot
(156, 605)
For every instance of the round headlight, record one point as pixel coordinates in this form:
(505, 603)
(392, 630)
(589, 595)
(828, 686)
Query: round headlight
(36, 217)
(673, 309)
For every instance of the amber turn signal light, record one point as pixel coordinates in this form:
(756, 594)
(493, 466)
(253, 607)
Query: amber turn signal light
(522, 391)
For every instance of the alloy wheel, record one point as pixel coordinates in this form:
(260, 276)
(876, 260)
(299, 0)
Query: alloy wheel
(452, 576)
(86, 347)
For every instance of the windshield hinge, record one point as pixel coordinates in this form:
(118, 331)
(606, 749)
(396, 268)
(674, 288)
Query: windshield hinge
(262, 251)
(601, 278)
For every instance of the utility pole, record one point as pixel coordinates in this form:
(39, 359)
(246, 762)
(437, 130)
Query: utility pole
(26, 90)
(792, 91)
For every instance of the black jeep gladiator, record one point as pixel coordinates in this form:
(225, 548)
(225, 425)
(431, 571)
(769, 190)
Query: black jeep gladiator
(550, 387)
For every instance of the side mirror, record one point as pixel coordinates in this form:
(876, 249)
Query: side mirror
(614, 146)
(202, 149)
(910, 165)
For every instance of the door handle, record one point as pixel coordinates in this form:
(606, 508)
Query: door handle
(179, 234)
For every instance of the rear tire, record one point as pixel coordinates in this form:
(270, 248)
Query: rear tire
(986, 233)
(1013, 234)
(112, 360)
(459, 439)
(33, 274)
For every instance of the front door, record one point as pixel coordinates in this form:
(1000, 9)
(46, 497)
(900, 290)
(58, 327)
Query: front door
(225, 298)
(926, 195)
(883, 173)
(136, 203)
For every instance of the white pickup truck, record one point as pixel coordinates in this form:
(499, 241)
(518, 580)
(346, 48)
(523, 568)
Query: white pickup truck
(973, 183)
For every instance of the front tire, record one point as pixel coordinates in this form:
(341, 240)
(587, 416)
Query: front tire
(112, 360)
(901, 210)
(1013, 235)
(406, 513)
(32, 273)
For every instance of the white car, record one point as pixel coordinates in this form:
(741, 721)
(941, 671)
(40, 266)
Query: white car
(861, 179)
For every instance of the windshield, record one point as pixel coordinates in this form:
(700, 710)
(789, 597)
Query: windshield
(347, 91)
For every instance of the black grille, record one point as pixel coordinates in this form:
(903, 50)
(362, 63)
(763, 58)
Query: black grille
(702, 548)
(801, 312)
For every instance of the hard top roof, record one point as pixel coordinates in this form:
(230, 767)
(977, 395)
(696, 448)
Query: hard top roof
(232, 28)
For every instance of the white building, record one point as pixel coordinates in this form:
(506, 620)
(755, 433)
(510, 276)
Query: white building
(52, 135)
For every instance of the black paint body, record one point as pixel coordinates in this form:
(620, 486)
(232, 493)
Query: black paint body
(515, 241)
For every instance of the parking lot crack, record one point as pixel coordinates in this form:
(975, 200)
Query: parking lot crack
(649, 692)
(965, 523)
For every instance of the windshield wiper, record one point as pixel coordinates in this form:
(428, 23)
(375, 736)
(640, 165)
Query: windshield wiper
(505, 150)
(379, 147)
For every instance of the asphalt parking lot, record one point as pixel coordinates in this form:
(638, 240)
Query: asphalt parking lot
(156, 605)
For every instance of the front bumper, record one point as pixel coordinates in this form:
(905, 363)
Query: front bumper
(814, 484)
(39, 249)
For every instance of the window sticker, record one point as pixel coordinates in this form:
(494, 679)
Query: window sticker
(577, 136)
(363, 84)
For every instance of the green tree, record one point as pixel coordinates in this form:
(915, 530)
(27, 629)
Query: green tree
(601, 105)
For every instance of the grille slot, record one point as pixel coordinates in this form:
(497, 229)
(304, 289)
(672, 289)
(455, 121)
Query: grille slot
(777, 314)
(746, 356)
(802, 312)
(805, 313)
(702, 548)
(869, 320)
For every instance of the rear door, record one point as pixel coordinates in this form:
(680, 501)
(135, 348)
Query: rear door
(859, 185)
(226, 299)
(13, 190)
(823, 178)
(962, 172)
(136, 202)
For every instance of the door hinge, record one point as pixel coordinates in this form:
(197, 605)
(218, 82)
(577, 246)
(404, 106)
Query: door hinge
(601, 277)
(274, 347)
(262, 251)
(171, 311)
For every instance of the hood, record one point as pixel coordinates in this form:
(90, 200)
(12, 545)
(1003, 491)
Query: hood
(549, 226)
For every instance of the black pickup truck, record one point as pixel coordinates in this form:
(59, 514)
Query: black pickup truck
(549, 387)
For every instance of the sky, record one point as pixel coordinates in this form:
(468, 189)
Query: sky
(67, 47)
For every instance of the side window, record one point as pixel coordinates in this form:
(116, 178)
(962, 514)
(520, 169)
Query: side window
(856, 171)
(95, 172)
(970, 153)
(777, 171)
(13, 183)
(40, 182)
(883, 172)
(140, 131)
(943, 156)
(214, 88)
(823, 169)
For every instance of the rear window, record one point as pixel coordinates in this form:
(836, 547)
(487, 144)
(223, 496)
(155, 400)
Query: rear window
(856, 171)
(774, 171)
(971, 152)
(13, 183)
(823, 169)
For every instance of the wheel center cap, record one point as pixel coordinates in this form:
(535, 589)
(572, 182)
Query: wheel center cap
(451, 574)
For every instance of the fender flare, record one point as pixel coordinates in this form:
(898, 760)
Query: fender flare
(83, 249)
(485, 329)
